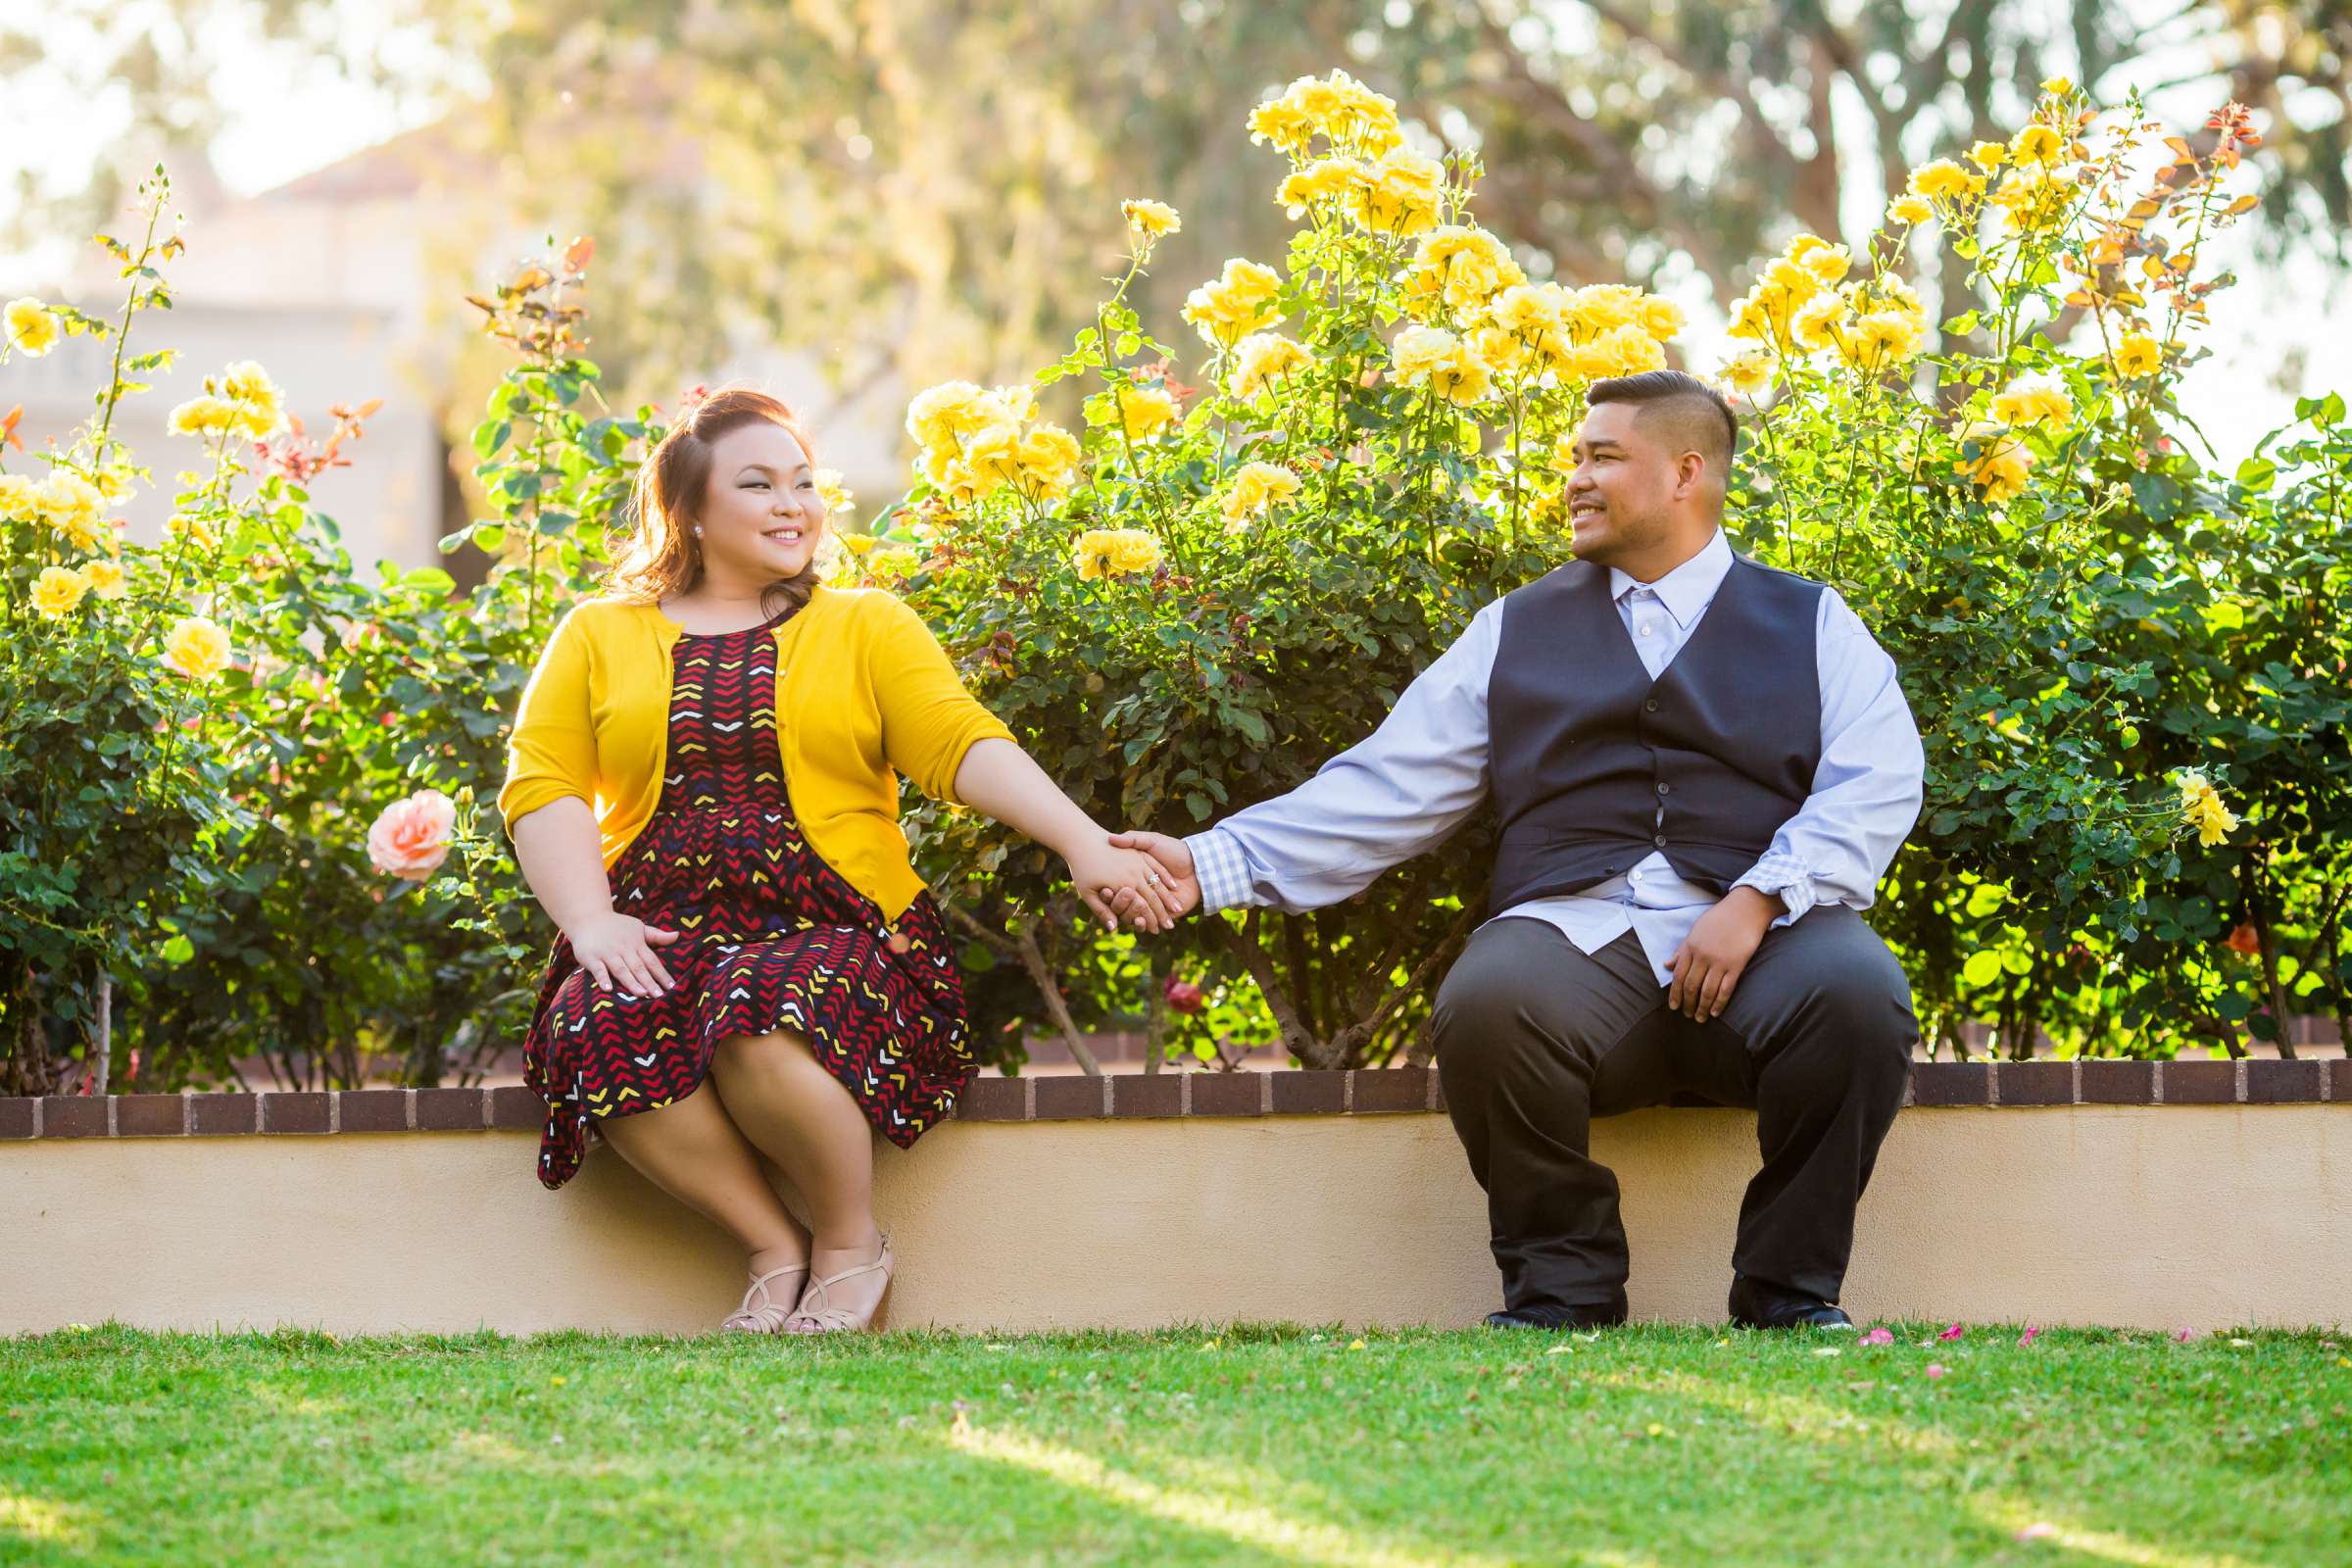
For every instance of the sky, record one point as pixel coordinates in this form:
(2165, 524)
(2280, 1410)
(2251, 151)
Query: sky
(298, 114)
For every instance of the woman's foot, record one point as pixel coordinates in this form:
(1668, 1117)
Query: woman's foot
(846, 1297)
(776, 1280)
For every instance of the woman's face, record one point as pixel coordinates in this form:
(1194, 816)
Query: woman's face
(761, 518)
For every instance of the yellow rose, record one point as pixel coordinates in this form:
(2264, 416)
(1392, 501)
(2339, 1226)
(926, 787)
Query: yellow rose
(107, 580)
(1262, 358)
(1753, 318)
(58, 590)
(1338, 106)
(1502, 351)
(1662, 319)
(201, 415)
(2201, 808)
(2000, 464)
(196, 648)
(1533, 311)
(1882, 338)
(1909, 210)
(1401, 194)
(1419, 350)
(1050, 459)
(1150, 220)
(260, 406)
(1749, 373)
(1988, 154)
(1457, 266)
(1282, 123)
(1450, 366)
(1115, 552)
(2033, 201)
(2060, 86)
(992, 458)
(1327, 179)
(2033, 403)
(1466, 382)
(1237, 302)
(1018, 403)
(1943, 181)
(1792, 281)
(1827, 263)
(30, 328)
(941, 418)
(1636, 351)
(1256, 487)
(1599, 307)
(1819, 323)
(2037, 144)
(1144, 410)
(196, 528)
(2138, 355)
(71, 505)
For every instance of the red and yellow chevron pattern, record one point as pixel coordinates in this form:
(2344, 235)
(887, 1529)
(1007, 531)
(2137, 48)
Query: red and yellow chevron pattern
(770, 938)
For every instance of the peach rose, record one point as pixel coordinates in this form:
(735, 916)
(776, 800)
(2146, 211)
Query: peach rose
(411, 838)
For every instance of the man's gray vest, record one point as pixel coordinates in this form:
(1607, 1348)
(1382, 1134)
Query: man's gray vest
(1593, 764)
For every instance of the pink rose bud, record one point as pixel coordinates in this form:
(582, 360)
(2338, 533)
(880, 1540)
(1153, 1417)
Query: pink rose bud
(1953, 1333)
(411, 838)
(1879, 1335)
(1184, 996)
(1936, 1369)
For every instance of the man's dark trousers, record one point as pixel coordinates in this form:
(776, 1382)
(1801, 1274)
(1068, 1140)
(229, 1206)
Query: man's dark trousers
(1536, 1037)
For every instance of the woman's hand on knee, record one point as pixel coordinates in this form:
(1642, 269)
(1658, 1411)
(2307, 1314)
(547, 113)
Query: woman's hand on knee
(618, 948)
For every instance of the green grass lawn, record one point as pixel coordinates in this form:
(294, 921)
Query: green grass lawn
(1252, 1445)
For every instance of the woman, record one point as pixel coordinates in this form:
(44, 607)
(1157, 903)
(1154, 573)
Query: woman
(737, 905)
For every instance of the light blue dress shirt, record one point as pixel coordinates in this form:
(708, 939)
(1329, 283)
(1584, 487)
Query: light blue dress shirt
(1424, 771)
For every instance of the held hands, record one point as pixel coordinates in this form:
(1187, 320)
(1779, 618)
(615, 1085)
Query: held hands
(1121, 884)
(1711, 961)
(1179, 888)
(619, 948)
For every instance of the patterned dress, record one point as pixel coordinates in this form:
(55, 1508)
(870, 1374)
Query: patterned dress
(769, 937)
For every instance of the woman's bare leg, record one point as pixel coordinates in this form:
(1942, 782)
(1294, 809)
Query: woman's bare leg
(799, 1116)
(692, 1150)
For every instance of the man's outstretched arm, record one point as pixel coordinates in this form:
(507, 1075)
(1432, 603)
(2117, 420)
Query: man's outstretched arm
(1374, 805)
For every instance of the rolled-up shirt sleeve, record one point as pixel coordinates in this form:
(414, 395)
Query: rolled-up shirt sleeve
(1867, 788)
(1380, 802)
(551, 752)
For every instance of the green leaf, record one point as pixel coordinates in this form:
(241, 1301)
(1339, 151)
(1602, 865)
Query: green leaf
(1983, 968)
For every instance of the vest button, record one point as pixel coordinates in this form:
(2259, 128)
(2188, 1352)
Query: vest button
(1659, 840)
(1665, 788)
(1649, 706)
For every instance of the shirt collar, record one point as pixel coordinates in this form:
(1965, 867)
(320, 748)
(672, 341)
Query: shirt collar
(1689, 587)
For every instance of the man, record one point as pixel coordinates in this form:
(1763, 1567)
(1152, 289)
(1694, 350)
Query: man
(1701, 768)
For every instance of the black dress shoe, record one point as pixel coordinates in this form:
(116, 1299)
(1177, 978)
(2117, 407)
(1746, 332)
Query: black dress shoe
(1755, 1305)
(1552, 1315)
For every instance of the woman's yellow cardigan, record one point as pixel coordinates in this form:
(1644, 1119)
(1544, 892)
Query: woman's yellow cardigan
(863, 693)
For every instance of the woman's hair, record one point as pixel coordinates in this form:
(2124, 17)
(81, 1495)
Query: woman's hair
(661, 556)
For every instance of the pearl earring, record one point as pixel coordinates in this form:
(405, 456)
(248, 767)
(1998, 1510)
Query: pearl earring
(698, 531)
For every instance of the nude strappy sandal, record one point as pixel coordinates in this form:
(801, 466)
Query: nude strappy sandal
(817, 1314)
(762, 1312)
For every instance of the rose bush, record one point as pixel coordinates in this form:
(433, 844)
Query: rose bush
(241, 781)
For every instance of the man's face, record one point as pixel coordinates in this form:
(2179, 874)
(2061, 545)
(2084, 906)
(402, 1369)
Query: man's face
(1620, 490)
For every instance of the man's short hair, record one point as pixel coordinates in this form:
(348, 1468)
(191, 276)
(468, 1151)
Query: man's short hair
(1696, 417)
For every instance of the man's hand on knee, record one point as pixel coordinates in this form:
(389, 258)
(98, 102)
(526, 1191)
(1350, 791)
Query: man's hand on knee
(1709, 962)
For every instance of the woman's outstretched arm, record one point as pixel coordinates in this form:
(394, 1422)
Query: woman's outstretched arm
(1001, 779)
